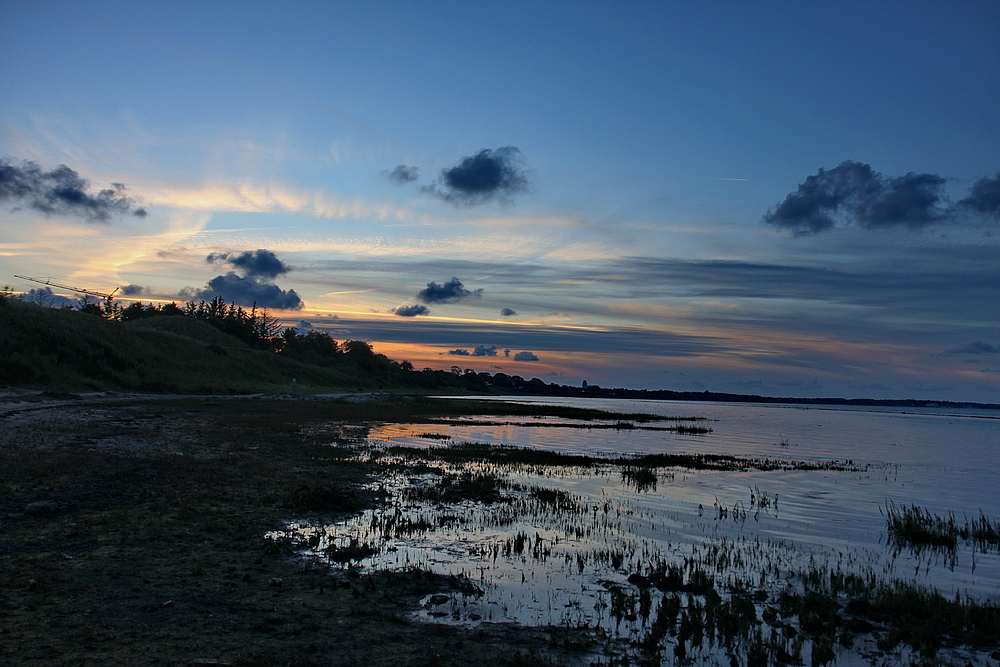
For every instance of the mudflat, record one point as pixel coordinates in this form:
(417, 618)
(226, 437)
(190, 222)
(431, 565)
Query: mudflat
(132, 531)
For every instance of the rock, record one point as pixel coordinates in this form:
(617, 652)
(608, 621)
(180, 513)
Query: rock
(42, 507)
(435, 600)
(276, 581)
(637, 579)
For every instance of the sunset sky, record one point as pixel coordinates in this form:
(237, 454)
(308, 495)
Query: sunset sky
(780, 198)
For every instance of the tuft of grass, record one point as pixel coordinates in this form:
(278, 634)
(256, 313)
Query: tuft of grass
(641, 478)
(485, 488)
(918, 528)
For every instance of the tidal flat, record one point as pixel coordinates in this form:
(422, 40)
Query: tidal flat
(299, 532)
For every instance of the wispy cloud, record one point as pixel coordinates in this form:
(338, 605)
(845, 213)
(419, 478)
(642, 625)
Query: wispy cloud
(252, 198)
(403, 174)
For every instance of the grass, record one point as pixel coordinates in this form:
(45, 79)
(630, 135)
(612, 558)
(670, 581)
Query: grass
(617, 426)
(918, 529)
(68, 349)
(511, 455)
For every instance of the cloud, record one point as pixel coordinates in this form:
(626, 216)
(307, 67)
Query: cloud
(459, 352)
(976, 347)
(984, 197)
(485, 351)
(402, 174)
(853, 192)
(246, 291)
(482, 177)
(508, 312)
(449, 292)
(253, 287)
(305, 325)
(253, 263)
(132, 290)
(43, 296)
(525, 356)
(411, 311)
(62, 191)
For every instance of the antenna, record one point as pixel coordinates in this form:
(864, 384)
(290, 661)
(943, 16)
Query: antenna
(49, 281)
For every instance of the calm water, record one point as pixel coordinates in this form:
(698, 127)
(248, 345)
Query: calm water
(946, 461)
(943, 460)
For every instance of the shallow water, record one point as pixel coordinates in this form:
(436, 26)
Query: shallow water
(535, 566)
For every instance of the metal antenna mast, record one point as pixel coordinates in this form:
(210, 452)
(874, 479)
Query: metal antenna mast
(49, 281)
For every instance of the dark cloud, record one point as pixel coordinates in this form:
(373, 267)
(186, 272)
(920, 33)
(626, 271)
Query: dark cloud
(132, 290)
(984, 197)
(62, 191)
(449, 292)
(482, 177)
(254, 286)
(305, 325)
(459, 352)
(976, 347)
(507, 312)
(525, 356)
(485, 351)
(411, 311)
(854, 192)
(402, 174)
(246, 291)
(253, 263)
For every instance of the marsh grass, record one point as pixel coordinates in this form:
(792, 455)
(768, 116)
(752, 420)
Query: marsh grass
(640, 478)
(510, 455)
(482, 487)
(918, 529)
(616, 426)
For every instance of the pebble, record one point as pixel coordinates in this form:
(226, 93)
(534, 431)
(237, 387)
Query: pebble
(42, 507)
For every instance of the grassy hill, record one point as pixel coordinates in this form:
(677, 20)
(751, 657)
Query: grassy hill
(50, 347)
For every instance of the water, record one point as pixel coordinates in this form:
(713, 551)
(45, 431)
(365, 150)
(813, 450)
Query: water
(531, 564)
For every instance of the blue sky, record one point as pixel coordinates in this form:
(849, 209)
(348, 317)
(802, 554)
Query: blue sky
(792, 199)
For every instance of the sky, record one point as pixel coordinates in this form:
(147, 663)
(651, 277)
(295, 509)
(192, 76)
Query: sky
(776, 198)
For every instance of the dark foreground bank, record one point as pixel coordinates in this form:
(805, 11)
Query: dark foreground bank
(131, 532)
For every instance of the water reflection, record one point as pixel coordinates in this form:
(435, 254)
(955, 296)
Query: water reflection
(622, 550)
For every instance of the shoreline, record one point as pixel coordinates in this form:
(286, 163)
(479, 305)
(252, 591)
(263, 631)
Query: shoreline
(133, 533)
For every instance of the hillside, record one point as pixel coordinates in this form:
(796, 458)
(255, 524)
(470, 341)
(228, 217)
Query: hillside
(69, 349)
